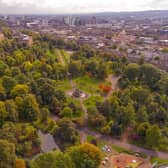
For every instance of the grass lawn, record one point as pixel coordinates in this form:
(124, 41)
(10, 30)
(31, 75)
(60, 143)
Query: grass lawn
(60, 57)
(79, 112)
(91, 101)
(66, 56)
(88, 85)
(63, 85)
(90, 138)
(159, 161)
(122, 150)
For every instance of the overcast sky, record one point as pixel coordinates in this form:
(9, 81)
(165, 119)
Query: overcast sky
(78, 6)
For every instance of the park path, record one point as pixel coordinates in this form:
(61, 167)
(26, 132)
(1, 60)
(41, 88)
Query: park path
(114, 84)
(85, 131)
(47, 142)
(60, 57)
(124, 145)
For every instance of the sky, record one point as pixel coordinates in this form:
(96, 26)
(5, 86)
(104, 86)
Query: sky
(78, 6)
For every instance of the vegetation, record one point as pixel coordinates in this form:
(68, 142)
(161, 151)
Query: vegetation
(85, 156)
(159, 161)
(34, 82)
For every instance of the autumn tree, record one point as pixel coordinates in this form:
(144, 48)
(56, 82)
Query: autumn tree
(86, 156)
(19, 163)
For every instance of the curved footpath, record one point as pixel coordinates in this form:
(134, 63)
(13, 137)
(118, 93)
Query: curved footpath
(85, 131)
(125, 145)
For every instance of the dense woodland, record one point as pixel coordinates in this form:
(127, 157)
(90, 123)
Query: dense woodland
(32, 90)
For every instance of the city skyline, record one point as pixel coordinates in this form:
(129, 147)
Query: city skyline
(75, 6)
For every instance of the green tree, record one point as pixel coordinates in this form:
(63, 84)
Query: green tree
(3, 67)
(2, 93)
(53, 159)
(67, 112)
(132, 71)
(27, 66)
(65, 133)
(142, 115)
(142, 131)
(140, 95)
(163, 84)
(8, 83)
(30, 109)
(44, 114)
(7, 154)
(153, 137)
(75, 68)
(11, 109)
(3, 112)
(86, 156)
(150, 75)
(19, 90)
(97, 120)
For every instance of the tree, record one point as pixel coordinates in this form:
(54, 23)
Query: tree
(44, 114)
(59, 71)
(19, 57)
(142, 115)
(142, 131)
(3, 67)
(65, 133)
(163, 84)
(101, 71)
(140, 95)
(19, 163)
(10, 61)
(3, 112)
(27, 66)
(150, 75)
(132, 71)
(15, 71)
(7, 154)
(8, 83)
(7, 32)
(67, 112)
(2, 93)
(29, 108)
(75, 68)
(11, 109)
(19, 90)
(97, 120)
(86, 156)
(47, 92)
(53, 159)
(153, 137)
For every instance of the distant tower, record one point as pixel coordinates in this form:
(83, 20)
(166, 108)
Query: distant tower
(45, 22)
(93, 20)
(69, 20)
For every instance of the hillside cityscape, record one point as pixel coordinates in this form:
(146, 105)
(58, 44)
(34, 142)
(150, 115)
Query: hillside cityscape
(85, 90)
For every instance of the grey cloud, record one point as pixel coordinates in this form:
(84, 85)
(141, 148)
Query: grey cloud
(20, 8)
(28, 7)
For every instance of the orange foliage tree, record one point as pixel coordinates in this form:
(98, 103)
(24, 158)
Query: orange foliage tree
(105, 88)
(19, 163)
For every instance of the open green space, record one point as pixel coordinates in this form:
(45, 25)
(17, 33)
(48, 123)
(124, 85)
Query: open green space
(88, 85)
(63, 85)
(159, 161)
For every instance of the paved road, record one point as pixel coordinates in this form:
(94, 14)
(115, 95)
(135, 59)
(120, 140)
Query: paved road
(124, 145)
(47, 142)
